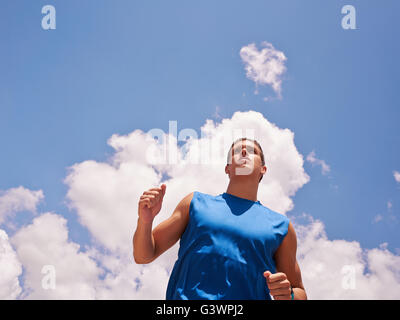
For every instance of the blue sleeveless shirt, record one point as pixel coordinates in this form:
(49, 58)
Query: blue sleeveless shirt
(227, 245)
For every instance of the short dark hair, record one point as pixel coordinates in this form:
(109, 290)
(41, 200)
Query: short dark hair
(255, 142)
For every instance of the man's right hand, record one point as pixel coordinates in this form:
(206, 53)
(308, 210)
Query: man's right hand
(150, 203)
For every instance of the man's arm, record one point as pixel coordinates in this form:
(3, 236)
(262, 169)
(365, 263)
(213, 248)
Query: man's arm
(288, 270)
(149, 244)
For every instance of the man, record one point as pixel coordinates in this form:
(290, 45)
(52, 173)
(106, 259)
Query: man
(231, 246)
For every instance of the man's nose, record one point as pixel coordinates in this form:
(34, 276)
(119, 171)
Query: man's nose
(244, 152)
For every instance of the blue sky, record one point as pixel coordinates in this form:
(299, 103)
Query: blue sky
(113, 67)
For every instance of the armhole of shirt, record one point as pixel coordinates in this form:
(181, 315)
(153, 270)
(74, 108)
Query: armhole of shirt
(285, 228)
(190, 215)
(195, 193)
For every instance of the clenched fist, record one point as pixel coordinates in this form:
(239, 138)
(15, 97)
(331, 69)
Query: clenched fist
(150, 203)
(278, 285)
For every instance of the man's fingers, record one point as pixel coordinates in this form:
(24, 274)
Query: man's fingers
(152, 196)
(281, 284)
(147, 200)
(160, 188)
(148, 196)
(276, 277)
(156, 193)
(144, 203)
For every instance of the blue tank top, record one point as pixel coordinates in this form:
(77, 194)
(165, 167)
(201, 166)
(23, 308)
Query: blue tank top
(227, 245)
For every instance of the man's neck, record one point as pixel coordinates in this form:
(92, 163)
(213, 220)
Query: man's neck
(243, 189)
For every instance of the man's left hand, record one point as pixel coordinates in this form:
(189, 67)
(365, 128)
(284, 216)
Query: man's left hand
(278, 285)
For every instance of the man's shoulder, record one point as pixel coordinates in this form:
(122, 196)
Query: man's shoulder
(200, 194)
(274, 214)
(186, 200)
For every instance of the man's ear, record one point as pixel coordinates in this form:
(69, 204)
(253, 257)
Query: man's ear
(227, 169)
(263, 171)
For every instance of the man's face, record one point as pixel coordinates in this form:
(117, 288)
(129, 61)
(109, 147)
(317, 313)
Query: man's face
(246, 159)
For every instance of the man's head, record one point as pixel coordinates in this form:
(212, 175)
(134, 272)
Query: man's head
(245, 157)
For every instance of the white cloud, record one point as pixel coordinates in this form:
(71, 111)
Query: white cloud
(105, 195)
(339, 269)
(396, 176)
(264, 66)
(94, 188)
(45, 242)
(10, 269)
(314, 161)
(126, 280)
(18, 199)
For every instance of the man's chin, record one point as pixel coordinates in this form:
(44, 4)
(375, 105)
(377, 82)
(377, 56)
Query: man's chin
(245, 171)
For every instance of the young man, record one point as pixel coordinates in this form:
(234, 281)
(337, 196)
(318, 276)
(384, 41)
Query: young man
(231, 246)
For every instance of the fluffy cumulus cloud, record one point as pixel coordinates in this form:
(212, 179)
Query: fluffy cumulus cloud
(18, 199)
(54, 267)
(339, 269)
(10, 269)
(12, 201)
(105, 196)
(265, 66)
